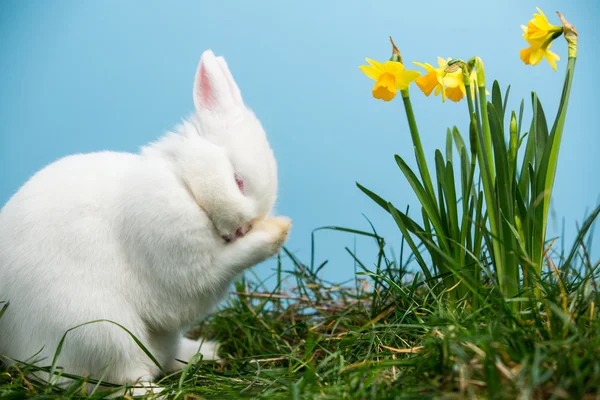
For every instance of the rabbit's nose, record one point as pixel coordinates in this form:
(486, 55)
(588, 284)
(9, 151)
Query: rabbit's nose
(239, 232)
(242, 230)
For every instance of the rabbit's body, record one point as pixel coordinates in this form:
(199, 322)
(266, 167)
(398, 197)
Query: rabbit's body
(137, 239)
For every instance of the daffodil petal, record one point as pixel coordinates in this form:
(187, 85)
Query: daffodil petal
(376, 64)
(453, 79)
(427, 67)
(404, 80)
(536, 56)
(394, 67)
(370, 71)
(541, 12)
(551, 57)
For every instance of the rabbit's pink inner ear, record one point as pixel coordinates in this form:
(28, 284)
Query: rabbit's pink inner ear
(203, 90)
(205, 87)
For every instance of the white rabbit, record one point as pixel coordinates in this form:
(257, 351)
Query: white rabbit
(151, 241)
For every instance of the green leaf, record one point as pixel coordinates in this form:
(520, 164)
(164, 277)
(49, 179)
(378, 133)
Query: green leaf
(376, 198)
(464, 175)
(524, 216)
(426, 220)
(468, 199)
(479, 226)
(549, 161)
(409, 223)
(425, 200)
(497, 102)
(505, 205)
(500, 157)
(466, 227)
(505, 100)
(441, 175)
(540, 128)
(521, 108)
(460, 143)
(528, 159)
(448, 145)
(450, 191)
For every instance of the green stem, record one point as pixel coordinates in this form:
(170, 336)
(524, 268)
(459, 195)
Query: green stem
(487, 135)
(418, 147)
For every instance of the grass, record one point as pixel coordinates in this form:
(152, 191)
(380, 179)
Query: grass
(385, 334)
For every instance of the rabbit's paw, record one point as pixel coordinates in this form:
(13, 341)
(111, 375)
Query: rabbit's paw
(263, 241)
(276, 230)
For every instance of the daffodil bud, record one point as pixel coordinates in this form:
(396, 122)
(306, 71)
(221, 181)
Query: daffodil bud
(571, 35)
(396, 56)
(519, 225)
(480, 72)
(473, 135)
(514, 139)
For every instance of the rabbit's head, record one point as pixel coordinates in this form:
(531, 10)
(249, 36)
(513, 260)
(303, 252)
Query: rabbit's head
(241, 159)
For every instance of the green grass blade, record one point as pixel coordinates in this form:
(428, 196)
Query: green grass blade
(404, 222)
(135, 339)
(375, 197)
(589, 222)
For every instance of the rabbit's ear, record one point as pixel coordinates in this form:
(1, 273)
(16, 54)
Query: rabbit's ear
(233, 87)
(212, 87)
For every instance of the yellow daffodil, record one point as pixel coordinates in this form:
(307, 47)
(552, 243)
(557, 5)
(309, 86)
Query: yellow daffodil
(432, 80)
(538, 30)
(449, 84)
(532, 55)
(540, 33)
(389, 76)
(455, 85)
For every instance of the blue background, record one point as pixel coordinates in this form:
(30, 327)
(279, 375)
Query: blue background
(82, 76)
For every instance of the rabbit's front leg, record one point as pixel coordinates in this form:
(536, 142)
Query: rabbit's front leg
(263, 241)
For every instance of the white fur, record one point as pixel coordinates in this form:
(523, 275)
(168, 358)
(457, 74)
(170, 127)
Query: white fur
(138, 239)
